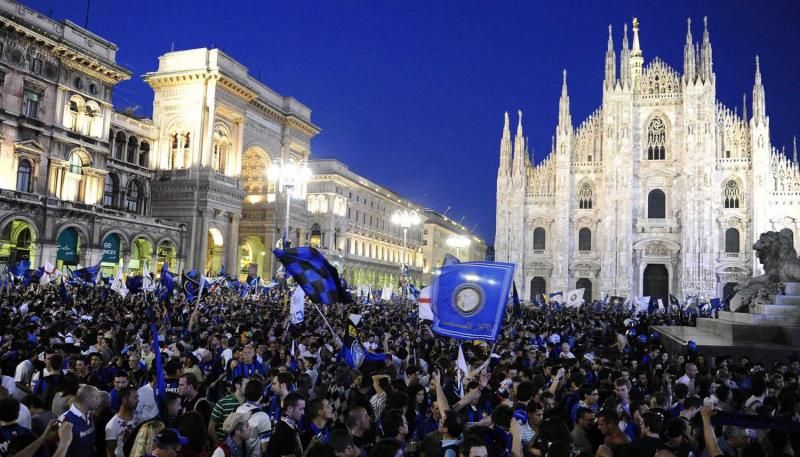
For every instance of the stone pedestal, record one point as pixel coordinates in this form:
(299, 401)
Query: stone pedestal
(767, 332)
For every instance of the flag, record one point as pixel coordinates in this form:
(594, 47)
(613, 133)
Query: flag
(222, 271)
(716, 303)
(517, 310)
(575, 298)
(20, 268)
(450, 259)
(469, 299)
(167, 283)
(424, 303)
(660, 304)
(386, 293)
(643, 304)
(616, 300)
(49, 273)
(413, 292)
(160, 389)
(63, 293)
(318, 278)
(87, 274)
(297, 306)
(557, 297)
(673, 300)
(293, 365)
(192, 284)
(148, 285)
(463, 370)
(354, 353)
(118, 285)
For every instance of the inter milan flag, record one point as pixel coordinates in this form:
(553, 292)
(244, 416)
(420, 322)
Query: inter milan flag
(517, 310)
(63, 293)
(354, 353)
(191, 285)
(469, 299)
(88, 274)
(167, 284)
(318, 278)
(450, 259)
(20, 268)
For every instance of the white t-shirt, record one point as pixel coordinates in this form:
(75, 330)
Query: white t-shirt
(118, 429)
(24, 372)
(260, 429)
(11, 387)
(147, 407)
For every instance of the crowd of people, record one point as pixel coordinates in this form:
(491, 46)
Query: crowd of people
(80, 378)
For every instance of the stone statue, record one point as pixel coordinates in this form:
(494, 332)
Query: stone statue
(781, 265)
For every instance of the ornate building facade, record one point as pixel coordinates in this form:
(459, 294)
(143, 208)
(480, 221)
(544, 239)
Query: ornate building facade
(662, 190)
(438, 231)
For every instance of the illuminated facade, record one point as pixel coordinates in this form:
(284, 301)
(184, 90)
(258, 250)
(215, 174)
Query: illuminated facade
(442, 235)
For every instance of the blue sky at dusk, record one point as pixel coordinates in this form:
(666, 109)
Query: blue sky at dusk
(411, 94)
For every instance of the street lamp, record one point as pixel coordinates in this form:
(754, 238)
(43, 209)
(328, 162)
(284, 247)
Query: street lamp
(458, 242)
(292, 177)
(405, 219)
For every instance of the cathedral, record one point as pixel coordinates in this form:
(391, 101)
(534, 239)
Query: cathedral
(661, 190)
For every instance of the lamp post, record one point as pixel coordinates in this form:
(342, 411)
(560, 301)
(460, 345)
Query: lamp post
(458, 242)
(292, 177)
(405, 219)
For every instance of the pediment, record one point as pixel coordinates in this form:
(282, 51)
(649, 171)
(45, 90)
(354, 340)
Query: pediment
(30, 146)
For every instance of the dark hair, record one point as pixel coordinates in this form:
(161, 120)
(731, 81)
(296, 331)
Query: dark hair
(524, 391)
(722, 392)
(315, 408)
(126, 392)
(386, 447)
(469, 442)
(291, 400)
(560, 448)
(681, 391)
(609, 415)
(340, 439)
(253, 390)
(534, 406)
(191, 379)
(192, 426)
(9, 409)
(586, 390)
(319, 449)
(691, 402)
(454, 423)
(69, 384)
(501, 416)
(392, 422)
(284, 377)
(581, 411)
(653, 421)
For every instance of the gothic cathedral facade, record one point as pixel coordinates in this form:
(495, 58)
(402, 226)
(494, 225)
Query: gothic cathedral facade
(662, 190)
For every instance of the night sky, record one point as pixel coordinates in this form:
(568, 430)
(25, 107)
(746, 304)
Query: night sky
(411, 94)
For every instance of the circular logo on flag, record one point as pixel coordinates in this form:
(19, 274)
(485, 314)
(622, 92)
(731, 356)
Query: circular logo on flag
(573, 297)
(358, 353)
(468, 299)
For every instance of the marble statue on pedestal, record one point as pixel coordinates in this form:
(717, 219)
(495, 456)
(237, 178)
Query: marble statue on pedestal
(781, 266)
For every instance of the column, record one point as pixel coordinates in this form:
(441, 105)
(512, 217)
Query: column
(232, 254)
(201, 239)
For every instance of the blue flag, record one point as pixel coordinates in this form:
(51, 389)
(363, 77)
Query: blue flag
(716, 303)
(318, 278)
(222, 271)
(191, 285)
(87, 274)
(167, 284)
(20, 268)
(354, 354)
(134, 284)
(64, 293)
(517, 310)
(450, 259)
(469, 299)
(160, 389)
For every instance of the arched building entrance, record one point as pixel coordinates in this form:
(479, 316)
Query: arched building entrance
(166, 253)
(69, 248)
(215, 254)
(141, 253)
(538, 287)
(586, 285)
(18, 242)
(655, 282)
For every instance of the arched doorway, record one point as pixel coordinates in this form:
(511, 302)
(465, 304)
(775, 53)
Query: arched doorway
(215, 252)
(655, 282)
(111, 260)
(729, 289)
(315, 239)
(141, 253)
(586, 285)
(69, 248)
(538, 286)
(18, 242)
(252, 258)
(166, 253)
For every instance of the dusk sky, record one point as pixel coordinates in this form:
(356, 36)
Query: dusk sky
(411, 94)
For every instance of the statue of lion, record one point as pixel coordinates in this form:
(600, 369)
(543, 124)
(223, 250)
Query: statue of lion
(781, 265)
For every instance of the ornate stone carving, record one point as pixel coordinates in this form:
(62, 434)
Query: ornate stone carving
(656, 249)
(781, 265)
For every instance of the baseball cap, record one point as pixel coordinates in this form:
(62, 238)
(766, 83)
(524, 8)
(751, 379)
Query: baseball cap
(171, 437)
(233, 421)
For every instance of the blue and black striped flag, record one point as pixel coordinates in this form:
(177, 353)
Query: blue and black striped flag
(318, 278)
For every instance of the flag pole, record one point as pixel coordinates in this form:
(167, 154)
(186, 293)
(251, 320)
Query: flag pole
(323, 318)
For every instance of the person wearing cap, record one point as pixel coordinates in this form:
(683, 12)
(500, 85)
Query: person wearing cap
(237, 432)
(168, 443)
(260, 423)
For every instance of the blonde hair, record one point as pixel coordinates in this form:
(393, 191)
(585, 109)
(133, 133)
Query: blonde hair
(146, 438)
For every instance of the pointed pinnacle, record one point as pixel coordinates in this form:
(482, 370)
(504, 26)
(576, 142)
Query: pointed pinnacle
(519, 123)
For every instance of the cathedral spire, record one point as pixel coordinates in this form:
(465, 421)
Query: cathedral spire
(744, 107)
(625, 60)
(611, 58)
(759, 105)
(564, 118)
(689, 68)
(505, 149)
(637, 59)
(794, 149)
(519, 148)
(706, 62)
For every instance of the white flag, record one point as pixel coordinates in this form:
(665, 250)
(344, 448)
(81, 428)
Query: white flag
(424, 302)
(119, 286)
(147, 282)
(574, 298)
(297, 306)
(643, 305)
(386, 293)
(463, 370)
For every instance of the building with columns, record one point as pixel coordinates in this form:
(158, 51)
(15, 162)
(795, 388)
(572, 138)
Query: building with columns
(662, 190)
(441, 236)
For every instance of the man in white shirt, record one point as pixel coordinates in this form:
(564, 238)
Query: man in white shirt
(23, 375)
(690, 371)
(147, 408)
(119, 428)
(260, 423)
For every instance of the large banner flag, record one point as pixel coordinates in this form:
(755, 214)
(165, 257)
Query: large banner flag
(354, 353)
(556, 297)
(386, 293)
(318, 278)
(20, 268)
(469, 299)
(297, 307)
(167, 284)
(643, 305)
(118, 285)
(424, 303)
(450, 259)
(148, 285)
(574, 298)
(192, 285)
(87, 274)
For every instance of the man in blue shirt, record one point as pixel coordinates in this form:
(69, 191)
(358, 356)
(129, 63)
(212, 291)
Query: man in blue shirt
(80, 416)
